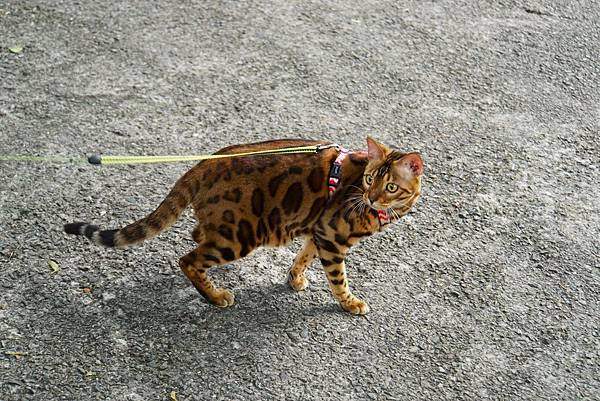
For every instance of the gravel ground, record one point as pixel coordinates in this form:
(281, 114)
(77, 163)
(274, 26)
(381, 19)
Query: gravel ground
(488, 290)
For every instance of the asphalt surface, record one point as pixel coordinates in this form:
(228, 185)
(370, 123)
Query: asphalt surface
(488, 290)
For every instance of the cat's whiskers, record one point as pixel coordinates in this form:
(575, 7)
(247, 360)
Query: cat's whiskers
(355, 196)
(352, 205)
(394, 213)
(356, 201)
(352, 200)
(357, 204)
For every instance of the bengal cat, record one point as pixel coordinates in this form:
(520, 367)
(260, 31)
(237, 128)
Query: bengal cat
(242, 203)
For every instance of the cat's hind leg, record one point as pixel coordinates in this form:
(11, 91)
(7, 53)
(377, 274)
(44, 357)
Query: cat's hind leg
(195, 266)
(296, 277)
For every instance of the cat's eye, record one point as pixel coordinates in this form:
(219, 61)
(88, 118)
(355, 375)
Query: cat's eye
(369, 179)
(391, 187)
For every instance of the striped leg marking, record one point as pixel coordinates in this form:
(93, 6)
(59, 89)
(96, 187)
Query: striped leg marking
(335, 269)
(195, 266)
(296, 277)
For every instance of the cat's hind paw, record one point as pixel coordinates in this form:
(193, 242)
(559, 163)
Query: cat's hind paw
(222, 297)
(298, 283)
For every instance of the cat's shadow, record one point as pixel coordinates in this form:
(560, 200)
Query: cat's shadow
(170, 304)
(163, 318)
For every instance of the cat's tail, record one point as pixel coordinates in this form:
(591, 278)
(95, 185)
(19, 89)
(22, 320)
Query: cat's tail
(165, 215)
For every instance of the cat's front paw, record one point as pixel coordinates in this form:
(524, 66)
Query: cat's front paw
(298, 283)
(222, 297)
(356, 306)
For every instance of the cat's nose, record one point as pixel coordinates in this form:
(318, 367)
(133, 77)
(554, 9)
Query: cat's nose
(372, 199)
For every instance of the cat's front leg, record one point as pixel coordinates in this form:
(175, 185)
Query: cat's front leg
(332, 257)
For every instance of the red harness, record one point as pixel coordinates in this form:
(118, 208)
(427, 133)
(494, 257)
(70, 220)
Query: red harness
(335, 175)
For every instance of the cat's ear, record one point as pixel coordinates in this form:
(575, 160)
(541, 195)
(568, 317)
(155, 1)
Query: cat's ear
(411, 164)
(376, 150)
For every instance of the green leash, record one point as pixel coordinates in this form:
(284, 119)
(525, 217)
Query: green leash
(102, 160)
(18, 158)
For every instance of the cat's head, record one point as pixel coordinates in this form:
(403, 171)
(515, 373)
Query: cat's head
(392, 179)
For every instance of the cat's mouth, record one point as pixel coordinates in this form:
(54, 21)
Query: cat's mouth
(399, 210)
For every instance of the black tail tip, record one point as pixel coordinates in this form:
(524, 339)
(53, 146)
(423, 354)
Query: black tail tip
(80, 228)
(74, 228)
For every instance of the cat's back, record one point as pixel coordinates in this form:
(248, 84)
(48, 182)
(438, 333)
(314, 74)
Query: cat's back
(268, 172)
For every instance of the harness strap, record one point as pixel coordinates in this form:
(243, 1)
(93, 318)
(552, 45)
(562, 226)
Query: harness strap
(335, 173)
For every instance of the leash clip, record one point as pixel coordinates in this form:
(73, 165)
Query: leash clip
(327, 146)
(95, 159)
